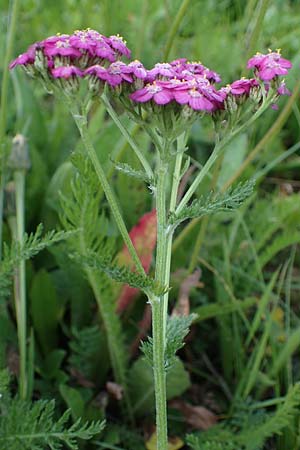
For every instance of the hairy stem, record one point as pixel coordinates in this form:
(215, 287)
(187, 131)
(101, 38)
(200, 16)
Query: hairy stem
(20, 283)
(158, 310)
(3, 108)
(81, 123)
(203, 172)
(159, 376)
(162, 275)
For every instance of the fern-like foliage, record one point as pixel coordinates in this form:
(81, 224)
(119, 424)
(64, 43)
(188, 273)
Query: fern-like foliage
(130, 171)
(120, 274)
(212, 203)
(254, 433)
(81, 211)
(177, 329)
(34, 426)
(25, 426)
(32, 244)
(85, 348)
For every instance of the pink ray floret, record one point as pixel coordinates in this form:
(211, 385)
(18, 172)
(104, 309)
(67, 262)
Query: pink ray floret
(25, 58)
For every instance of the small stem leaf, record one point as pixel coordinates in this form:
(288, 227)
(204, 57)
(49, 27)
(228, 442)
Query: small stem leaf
(131, 172)
(177, 329)
(120, 273)
(212, 203)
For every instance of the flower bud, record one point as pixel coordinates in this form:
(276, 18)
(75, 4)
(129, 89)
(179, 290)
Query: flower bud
(19, 156)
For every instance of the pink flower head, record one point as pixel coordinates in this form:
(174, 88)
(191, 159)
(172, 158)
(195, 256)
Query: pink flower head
(212, 76)
(242, 86)
(256, 60)
(104, 51)
(25, 58)
(179, 62)
(82, 40)
(118, 72)
(195, 99)
(97, 71)
(283, 90)
(191, 69)
(66, 72)
(155, 91)
(175, 83)
(161, 69)
(118, 44)
(95, 43)
(59, 46)
(269, 66)
(203, 86)
(137, 69)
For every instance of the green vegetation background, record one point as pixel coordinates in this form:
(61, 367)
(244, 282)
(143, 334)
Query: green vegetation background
(244, 349)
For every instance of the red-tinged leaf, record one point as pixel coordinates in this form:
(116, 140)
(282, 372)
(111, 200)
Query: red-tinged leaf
(143, 236)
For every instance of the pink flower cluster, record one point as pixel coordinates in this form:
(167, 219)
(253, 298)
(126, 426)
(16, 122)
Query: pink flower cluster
(267, 67)
(69, 55)
(89, 54)
(185, 83)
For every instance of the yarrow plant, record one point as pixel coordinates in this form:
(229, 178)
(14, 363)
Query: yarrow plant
(165, 101)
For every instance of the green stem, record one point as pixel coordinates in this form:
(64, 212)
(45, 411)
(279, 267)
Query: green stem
(174, 29)
(81, 123)
(127, 136)
(181, 142)
(204, 221)
(158, 311)
(20, 282)
(162, 238)
(3, 108)
(203, 172)
(162, 275)
(159, 377)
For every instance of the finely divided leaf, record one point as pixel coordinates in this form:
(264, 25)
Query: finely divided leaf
(128, 170)
(177, 329)
(121, 273)
(212, 203)
(32, 244)
(26, 426)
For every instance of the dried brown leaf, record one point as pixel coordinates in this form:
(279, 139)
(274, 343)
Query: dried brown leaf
(197, 417)
(115, 390)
